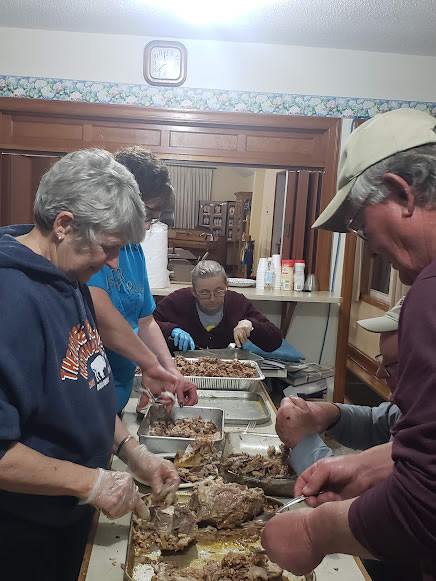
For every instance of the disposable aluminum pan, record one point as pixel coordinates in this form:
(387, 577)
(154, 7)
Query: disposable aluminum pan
(169, 445)
(196, 555)
(234, 383)
(252, 444)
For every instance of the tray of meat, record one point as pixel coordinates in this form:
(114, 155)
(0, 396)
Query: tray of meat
(215, 373)
(200, 539)
(190, 423)
(258, 460)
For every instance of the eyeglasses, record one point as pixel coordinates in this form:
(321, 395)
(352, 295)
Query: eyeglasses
(353, 225)
(379, 359)
(206, 294)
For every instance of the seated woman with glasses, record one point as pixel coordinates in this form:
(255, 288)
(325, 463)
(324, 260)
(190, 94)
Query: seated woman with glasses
(210, 315)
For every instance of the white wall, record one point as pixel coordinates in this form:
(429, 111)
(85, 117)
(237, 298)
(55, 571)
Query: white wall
(227, 180)
(222, 65)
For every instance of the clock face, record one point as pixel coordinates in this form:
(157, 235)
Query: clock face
(165, 63)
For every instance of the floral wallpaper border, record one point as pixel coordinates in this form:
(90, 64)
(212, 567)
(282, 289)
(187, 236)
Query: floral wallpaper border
(200, 99)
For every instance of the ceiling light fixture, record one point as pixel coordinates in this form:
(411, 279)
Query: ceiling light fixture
(207, 12)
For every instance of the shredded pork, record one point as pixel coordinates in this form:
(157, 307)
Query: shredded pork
(214, 367)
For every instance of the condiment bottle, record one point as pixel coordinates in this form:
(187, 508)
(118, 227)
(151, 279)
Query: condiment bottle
(299, 275)
(287, 275)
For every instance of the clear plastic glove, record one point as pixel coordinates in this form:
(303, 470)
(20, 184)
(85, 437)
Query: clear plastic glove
(242, 331)
(116, 494)
(160, 474)
(182, 339)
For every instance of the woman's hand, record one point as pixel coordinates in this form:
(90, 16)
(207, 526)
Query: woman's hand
(160, 474)
(242, 331)
(116, 494)
(157, 379)
(185, 390)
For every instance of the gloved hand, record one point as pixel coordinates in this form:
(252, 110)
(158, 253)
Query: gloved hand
(160, 474)
(116, 494)
(242, 331)
(182, 339)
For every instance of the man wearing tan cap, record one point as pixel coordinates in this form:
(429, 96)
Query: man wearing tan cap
(386, 195)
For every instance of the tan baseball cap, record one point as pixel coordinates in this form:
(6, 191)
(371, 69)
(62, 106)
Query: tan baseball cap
(389, 321)
(375, 140)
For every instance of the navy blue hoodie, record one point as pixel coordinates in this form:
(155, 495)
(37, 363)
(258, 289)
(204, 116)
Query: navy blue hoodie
(56, 388)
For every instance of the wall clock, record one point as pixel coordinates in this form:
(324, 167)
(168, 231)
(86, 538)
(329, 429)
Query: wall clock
(165, 63)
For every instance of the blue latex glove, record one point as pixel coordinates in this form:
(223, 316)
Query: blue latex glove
(182, 339)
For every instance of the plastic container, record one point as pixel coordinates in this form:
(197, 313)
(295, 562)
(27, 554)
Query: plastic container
(299, 266)
(269, 276)
(287, 275)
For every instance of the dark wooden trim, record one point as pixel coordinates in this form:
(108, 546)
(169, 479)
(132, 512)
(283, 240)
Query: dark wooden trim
(367, 298)
(288, 309)
(365, 368)
(344, 318)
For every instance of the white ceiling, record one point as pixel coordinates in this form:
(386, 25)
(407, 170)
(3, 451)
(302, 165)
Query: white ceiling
(401, 26)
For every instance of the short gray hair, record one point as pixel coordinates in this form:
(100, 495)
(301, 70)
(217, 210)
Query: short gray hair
(101, 193)
(207, 269)
(416, 166)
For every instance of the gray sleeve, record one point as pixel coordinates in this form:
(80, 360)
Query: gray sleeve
(307, 452)
(362, 427)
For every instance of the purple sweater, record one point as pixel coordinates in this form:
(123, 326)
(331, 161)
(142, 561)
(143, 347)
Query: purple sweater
(397, 518)
(179, 310)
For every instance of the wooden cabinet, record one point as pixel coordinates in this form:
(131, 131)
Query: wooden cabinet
(20, 175)
(213, 215)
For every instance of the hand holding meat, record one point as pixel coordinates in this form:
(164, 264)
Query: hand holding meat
(344, 477)
(157, 379)
(185, 390)
(182, 339)
(294, 421)
(242, 331)
(287, 541)
(116, 494)
(160, 474)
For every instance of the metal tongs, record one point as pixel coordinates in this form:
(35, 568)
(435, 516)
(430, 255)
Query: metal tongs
(266, 516)
(157, 412)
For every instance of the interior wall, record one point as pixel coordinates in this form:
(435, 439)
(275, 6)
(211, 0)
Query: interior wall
(228, 180)
(363, 340)
(222, 65)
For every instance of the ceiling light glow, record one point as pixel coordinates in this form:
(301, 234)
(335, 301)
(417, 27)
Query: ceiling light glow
(208, 12)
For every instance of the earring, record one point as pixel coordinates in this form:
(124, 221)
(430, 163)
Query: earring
(59, 236)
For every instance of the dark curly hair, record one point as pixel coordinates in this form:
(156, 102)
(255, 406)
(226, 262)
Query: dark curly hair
(150, 173)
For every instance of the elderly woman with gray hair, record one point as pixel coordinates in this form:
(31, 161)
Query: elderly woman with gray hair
(58, 423)
(210, 315)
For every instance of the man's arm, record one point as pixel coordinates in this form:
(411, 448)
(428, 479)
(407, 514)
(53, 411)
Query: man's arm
(299, 540)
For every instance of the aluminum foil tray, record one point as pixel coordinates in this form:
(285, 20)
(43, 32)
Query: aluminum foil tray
(167, 444)
(234, 383)
(207, 547)
(252, 444)
(240, 407)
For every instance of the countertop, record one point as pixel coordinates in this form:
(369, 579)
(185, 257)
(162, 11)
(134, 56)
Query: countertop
(109, 548)
(254, 294)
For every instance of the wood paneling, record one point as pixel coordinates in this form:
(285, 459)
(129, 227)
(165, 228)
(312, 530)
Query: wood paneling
(365, 368)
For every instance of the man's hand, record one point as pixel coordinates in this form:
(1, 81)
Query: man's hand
(287, 542)
(344, 477)
(294, 421)
(242, 331)
(157, 379)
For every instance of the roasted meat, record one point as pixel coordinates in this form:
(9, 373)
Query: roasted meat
(200, 460)
(275, 466)
(224, 506)
(214, 367)
(184, 428)
(174, 527)
(246, 566)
